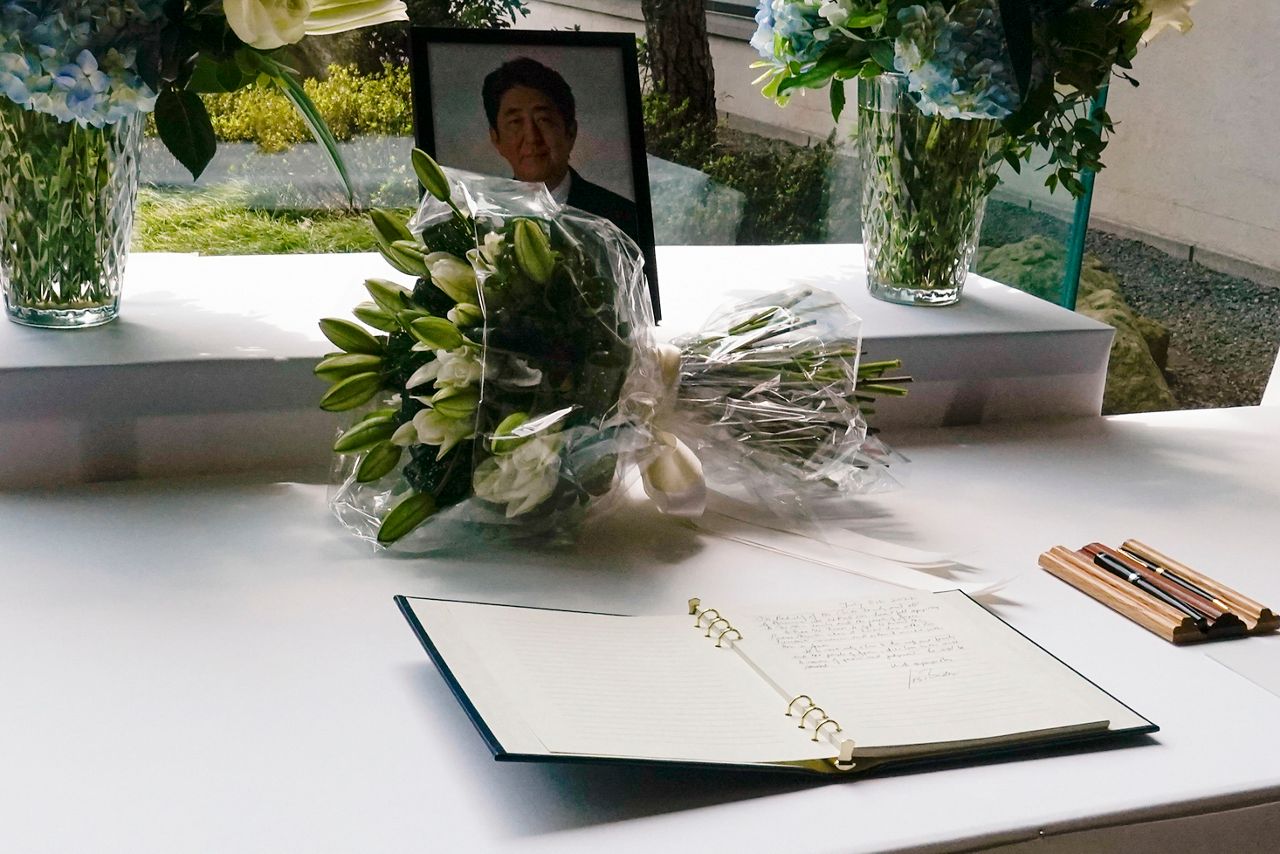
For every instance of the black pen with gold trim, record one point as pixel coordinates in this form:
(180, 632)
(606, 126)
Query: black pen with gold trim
(1164, 572)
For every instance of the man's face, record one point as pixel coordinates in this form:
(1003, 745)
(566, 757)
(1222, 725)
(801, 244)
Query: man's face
(532, 136)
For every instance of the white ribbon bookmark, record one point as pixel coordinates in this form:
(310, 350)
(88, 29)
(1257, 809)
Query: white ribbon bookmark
(865, 565)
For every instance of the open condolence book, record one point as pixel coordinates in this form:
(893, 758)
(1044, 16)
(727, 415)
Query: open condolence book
(845, 686)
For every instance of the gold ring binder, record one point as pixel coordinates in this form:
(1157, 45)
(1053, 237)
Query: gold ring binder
(797, 698)
(720, 637)
(699, 614)
(810, 711)
(711, 625)
(823, 723)
(707, 613)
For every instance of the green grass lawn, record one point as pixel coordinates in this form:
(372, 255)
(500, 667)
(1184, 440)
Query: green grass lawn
(218, 222)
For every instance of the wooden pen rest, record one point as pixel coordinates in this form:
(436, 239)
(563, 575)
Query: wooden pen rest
(1151, 614)
(1259, 618)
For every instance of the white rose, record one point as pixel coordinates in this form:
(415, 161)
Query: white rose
(338, 16)
(267, 24)
(522, 479)
(1166, 13)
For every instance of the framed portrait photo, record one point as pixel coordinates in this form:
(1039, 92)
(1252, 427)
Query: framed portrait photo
(557, 107)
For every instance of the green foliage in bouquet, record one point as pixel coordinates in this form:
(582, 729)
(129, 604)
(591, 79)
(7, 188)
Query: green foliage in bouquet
(500, 364)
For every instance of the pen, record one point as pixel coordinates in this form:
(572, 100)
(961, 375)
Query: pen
(1135, 578)
(1211, 611)
(1175, 578)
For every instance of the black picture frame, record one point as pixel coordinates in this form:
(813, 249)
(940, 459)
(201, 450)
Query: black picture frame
(423, 40)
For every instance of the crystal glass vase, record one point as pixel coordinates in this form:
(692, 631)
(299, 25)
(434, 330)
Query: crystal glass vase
(67, 200)
(925, 181)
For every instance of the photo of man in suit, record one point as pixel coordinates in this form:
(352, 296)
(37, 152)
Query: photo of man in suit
(533, 125)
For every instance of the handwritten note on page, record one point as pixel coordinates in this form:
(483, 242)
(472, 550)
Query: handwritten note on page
(916, 668)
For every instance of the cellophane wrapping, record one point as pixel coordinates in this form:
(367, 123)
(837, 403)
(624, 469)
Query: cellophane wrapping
(767, 396)
(556, 352)
(519, 384)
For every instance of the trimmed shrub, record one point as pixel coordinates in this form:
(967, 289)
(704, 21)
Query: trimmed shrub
(351, 104)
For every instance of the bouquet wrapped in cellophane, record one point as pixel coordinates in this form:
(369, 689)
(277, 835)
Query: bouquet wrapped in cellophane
(516, 385)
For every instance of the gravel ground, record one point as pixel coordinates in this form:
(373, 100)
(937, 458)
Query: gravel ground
(1223, 330)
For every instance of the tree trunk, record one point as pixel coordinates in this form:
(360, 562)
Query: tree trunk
(680, 56)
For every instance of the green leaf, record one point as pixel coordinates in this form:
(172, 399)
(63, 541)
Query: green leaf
(334, 368)
(837, 99)
(301, 101)
(818, 74)
(882, 53)
(185, 129)
(405, 516)
(217, 75)
(350, 337)
(381, 459)
(351, 392)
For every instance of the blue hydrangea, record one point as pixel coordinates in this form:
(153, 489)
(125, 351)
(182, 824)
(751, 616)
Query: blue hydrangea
(790, 31)
(76, 60)
(956, 63)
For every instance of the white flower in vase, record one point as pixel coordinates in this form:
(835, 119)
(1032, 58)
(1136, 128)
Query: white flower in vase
(267, 24)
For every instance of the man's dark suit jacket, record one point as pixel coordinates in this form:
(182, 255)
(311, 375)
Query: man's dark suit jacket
(595, 199)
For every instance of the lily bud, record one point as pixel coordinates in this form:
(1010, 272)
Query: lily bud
(351, 392)
(388, 227)
(389, 296)
(334, 368)
(350, 337)
(503, 441)
(436, 333)
(373, 315)
(452, 275)
(456, 402)
(405, 516)
(430, 175)
(533, 251)
(381, 459)
(466, 314)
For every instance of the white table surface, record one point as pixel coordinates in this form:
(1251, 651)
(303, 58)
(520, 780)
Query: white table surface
(212, 665)
(208, 368)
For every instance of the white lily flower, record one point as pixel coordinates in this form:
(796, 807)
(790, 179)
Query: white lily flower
(522, 479)
(460, 367)
(452, 275)
(337, 16)
(1166, 13)
(267, 24)
(436, 429)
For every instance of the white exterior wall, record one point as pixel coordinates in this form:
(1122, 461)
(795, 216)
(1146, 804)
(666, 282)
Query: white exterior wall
(1196, 156)
(1195, 162)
